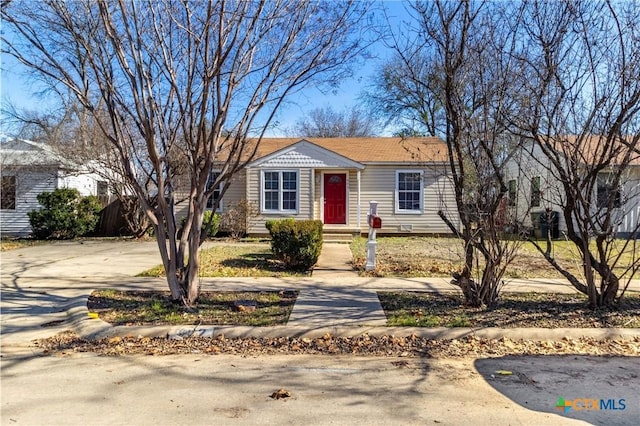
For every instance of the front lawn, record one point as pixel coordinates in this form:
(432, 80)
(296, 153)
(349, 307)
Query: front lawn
(439, 257)
(544, 310)
(235, 260)
(212, 308)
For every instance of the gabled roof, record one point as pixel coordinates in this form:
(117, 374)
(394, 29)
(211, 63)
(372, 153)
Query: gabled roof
(306, 154)
(366, 150)
(22, 152)
(597, 149)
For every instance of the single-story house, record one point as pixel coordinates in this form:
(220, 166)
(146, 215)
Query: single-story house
(534, 187)
(30, 168)
(335, 179)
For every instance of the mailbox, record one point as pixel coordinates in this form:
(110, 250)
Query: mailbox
(375, 221)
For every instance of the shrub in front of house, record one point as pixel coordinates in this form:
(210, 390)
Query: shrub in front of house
(210, 223)
(296, 243)
(65, 214)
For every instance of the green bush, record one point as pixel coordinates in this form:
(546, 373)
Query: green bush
(296, 243)
(210, 223)
(65, 214)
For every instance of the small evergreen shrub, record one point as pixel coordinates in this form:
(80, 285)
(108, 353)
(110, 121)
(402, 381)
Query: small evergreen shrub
(296, 243)
(210, 223)
(65, 214)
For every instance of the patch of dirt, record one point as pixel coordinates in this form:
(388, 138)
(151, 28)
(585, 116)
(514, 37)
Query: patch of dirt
(364, 345)
(514, 310)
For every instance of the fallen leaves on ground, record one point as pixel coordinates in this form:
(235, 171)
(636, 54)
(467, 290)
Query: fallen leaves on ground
(513, 310)
(362, 345)
(280, 394)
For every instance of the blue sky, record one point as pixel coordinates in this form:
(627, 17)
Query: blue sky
(17, 87)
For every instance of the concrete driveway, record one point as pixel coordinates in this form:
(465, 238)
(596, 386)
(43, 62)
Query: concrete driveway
(40, 283)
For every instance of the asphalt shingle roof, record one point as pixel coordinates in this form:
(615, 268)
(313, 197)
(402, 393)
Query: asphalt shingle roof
(369, 150)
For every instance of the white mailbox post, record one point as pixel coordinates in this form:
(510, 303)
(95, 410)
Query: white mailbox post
(371, 243)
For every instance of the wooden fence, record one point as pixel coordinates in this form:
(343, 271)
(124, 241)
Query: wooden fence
(112, 221)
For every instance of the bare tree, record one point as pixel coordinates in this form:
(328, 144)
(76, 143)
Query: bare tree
(177, 87)
(447, 79)
(329, 123)
(579, 91)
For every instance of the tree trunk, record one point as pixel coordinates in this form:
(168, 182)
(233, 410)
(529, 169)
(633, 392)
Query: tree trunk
(192, 279)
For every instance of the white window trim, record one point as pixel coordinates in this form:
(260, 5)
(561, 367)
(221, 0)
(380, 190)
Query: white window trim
(280, 210)
(397, 192)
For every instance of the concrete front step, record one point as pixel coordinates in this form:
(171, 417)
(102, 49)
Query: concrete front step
(337, 238)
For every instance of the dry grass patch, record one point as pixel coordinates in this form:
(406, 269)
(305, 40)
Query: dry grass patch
(514, 310)
(212, 308)
(7, 244)
(68, 343)
(439, 257)
(235, 260)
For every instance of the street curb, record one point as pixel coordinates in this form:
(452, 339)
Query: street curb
(96, 329)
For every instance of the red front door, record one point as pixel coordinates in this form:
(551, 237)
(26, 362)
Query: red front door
(335, 198)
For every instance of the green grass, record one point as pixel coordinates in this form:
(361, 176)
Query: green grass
(235, 261)
(212, 308)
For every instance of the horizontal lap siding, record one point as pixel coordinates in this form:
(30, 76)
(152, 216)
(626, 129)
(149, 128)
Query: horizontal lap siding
(631, 209)
(379, 183)
(523, 168)
(232, 196)
(236, 191)
(305, 199)
(28, 186)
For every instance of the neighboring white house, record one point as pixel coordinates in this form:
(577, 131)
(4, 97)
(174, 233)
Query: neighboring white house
(534, 187)
(29, 168)
(334, 179)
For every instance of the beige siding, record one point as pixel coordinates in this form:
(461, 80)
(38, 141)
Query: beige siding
(379, 183)
(232, 196)
(523, 170)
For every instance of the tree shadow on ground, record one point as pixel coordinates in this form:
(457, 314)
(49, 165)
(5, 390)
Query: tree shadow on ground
(538, 383)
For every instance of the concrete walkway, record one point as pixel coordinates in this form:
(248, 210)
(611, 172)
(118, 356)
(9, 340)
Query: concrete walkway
(328, 302)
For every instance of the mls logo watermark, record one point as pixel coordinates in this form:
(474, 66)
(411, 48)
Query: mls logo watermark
(591, 404)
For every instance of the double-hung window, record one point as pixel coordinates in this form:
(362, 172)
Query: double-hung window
(608, 194)
(280, 191)
(409, 191)
(513, 192)
(213, 176)
(536, 192)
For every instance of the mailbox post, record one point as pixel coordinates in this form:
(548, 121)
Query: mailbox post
(375, 222)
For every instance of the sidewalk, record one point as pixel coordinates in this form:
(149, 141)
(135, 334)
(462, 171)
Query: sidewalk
(45, 291)
(337, 301)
